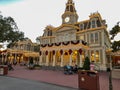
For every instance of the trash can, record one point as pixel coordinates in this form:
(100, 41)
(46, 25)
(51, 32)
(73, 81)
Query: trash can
(3, 69)
(88, 80)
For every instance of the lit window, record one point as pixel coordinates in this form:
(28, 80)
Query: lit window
(97, 56)
(92, 56)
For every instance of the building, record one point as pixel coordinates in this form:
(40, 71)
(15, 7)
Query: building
(72, 41)
(21, 51)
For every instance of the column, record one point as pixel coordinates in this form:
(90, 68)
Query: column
(70, 63)
(103, 55)
(54, 54)
(61, 64)
(70, 53)
(40, 58)
(47, 59)
(61, 52)
(80, 64)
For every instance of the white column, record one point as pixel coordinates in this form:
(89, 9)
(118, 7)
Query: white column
(80, 64)
(47, 59)
(103, 54)
(40, 60)
(15, 56)
(70, 63)
(61, 64)
(54, 60)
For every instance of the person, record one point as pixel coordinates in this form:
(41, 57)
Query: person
(68, 69)
(10, 66)
(75, 69)
(14, 62)
(92, 66)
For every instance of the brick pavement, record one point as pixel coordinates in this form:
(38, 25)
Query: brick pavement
(59, 78)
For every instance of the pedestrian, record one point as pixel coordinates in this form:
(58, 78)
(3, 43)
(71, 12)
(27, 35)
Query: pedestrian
(10, 66)
(14, 62)
(75, 68)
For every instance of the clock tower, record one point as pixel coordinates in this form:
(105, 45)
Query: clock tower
(69, 16)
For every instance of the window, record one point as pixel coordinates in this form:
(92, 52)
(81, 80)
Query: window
(94, 37)
(50, 33)
(81, 26)
(93, 24)
(82, 37)
(97, 55)
(92, 56)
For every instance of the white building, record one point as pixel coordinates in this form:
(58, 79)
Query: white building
(73, 40)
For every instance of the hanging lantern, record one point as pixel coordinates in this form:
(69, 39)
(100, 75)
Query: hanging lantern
(70, 51)
(46, 52)
(53, 52)
(61, 51)
(80, 51)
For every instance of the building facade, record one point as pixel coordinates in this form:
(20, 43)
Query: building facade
(20, 51)
(72, 41)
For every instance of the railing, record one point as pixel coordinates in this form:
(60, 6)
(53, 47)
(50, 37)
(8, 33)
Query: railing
(65, 43)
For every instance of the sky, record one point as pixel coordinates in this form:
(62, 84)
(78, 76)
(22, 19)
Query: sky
(32, 16)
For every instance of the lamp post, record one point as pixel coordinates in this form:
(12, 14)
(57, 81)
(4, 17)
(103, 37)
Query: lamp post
(110, 76)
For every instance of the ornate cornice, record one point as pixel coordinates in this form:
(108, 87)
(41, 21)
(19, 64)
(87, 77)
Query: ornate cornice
(92, 29)
(66, 25)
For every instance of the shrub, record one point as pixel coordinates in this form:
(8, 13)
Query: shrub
(86, 65)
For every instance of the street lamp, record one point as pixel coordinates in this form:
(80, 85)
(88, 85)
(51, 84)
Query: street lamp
(110, 76)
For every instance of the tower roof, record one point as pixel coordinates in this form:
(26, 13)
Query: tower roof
(70, 6)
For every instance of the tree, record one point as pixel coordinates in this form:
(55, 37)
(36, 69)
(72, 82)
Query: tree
(86, 65)
(115, 46)
(115, 30)
(9, 31)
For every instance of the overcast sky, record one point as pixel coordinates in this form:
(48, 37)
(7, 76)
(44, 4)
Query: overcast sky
(32, 16)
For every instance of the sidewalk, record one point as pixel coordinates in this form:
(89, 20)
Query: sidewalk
(58, 77)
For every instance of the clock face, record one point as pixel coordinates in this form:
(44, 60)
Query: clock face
(67, 19)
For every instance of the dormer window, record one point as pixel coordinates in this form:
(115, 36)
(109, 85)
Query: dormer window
(49, 33)
(93, 23)
(81, 26)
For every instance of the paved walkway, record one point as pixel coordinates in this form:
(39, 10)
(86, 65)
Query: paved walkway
(58, 77)
(9, 83)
